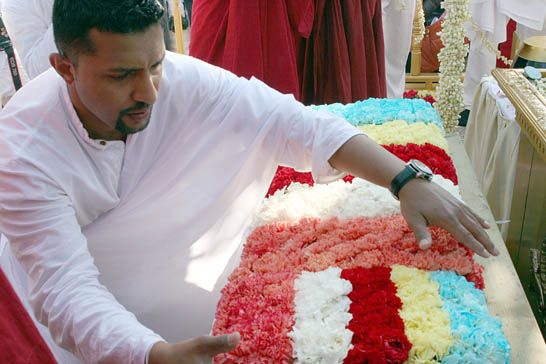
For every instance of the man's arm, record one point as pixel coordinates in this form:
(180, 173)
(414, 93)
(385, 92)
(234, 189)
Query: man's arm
(83, 317)
(423, 204)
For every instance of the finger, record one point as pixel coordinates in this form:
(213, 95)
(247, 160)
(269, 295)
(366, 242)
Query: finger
(473, 224)
(212, 345)
(463, 235)
(481, 220)
(418, 224)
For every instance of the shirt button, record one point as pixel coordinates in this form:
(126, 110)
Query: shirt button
(102, 142)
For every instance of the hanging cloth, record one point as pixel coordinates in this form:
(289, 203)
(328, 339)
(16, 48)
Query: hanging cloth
(344, 59)
(19, 338)
(255, 38)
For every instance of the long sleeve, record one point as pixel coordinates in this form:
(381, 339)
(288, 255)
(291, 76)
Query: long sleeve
(65, 293)
(296, 135)
(30, 29)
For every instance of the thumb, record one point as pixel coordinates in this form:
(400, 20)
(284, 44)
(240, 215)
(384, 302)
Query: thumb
(419, 226)
(213, 345)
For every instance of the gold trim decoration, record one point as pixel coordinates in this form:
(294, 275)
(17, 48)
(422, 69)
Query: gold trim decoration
(530, 105)
(419, 23)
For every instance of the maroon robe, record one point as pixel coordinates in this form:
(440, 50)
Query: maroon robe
(20, 341)
(252, 38)
(344, 59)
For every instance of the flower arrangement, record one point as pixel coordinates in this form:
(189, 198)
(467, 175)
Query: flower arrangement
(435, 158)
(381, 111)
(400, 132)
(284, 176)
(333, 274)
(336, 199)
(465, 311)
(379, 335)
(427, 325)
(452, 62)
(320, 334)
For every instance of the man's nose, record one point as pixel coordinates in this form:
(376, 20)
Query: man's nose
(145, 89)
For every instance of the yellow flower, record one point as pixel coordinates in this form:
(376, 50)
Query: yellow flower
(399, 132)
(427, 325)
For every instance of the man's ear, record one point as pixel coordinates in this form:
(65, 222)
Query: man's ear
(63, 66)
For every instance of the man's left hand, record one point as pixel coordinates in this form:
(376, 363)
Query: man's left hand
(427, 204)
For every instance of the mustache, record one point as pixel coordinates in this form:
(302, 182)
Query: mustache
(139, 106)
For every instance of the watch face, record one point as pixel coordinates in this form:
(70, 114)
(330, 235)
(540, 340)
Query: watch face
(422, 167)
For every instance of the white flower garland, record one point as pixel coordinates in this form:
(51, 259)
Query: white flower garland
(452, 62)
(488, 44)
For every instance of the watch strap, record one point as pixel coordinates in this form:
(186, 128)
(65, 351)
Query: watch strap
(407, 174)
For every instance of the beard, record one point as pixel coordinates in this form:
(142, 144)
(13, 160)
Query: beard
(125, 129)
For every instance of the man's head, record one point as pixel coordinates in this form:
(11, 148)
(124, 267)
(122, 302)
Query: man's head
(110, 55)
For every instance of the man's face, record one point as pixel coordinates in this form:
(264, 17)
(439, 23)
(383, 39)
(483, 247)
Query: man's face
(115, 87)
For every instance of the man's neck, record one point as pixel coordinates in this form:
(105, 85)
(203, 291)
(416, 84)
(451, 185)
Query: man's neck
(96, 128)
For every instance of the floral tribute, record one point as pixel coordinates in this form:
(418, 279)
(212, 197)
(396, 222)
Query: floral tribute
(378, 330)
(380, 111)
(434, 157)
(400, 132)
(258, 300)
(332, 274)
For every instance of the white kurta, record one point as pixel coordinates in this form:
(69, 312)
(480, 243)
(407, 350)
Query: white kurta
(29, 26)
(160, 216)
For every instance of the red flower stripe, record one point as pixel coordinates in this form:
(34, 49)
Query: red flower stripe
(434, 157)
(378, 330)
(260, 307)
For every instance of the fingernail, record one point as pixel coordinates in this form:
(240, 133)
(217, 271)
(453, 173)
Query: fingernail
(496, 251)
(485, 253)
(487, 224)
(234, 338)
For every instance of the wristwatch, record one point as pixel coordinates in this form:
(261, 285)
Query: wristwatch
(413, 169)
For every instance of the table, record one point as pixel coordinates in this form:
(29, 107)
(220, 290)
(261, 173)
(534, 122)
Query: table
(505, 295)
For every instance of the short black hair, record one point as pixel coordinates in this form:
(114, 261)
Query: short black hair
(73, 19)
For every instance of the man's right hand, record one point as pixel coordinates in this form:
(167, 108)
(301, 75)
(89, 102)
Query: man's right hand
(194, 351)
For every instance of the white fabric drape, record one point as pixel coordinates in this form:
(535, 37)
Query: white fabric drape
(492, 144)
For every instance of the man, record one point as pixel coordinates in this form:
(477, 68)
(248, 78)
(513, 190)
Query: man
(124, 202)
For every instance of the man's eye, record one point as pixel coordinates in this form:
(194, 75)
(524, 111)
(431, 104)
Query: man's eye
(120, 77)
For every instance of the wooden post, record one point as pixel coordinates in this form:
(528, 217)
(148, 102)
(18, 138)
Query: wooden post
(178, 29)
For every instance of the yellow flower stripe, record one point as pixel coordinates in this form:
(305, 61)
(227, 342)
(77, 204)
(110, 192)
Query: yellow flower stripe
(427, 326)
(399, 132)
